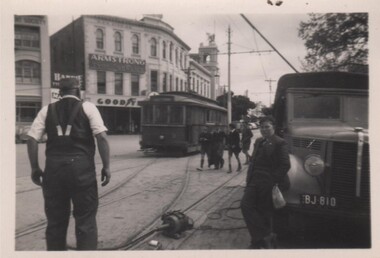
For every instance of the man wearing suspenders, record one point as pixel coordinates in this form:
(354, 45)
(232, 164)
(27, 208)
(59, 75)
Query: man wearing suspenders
(69, 174)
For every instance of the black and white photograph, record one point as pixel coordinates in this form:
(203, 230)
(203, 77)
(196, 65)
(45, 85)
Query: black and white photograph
(189, 128)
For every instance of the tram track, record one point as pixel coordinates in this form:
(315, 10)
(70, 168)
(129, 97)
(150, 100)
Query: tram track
(150, 224)
(125, 245)
(137, 243)
(40, 225)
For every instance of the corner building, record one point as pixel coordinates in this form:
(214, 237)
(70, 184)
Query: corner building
(122, 61)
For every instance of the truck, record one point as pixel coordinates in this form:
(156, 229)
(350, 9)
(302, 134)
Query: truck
(323, 116)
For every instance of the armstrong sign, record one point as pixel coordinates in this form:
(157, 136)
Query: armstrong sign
(116, 64)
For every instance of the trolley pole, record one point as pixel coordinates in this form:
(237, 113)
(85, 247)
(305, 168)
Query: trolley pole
(229, 105)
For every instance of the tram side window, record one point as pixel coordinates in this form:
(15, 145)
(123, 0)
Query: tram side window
(210, 116)
(176, 115)
(148, 114)
(161, 114)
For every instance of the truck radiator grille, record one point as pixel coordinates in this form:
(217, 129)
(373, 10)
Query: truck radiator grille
(343, 180)
(307, 143)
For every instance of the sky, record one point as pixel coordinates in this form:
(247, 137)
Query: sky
(251, 73)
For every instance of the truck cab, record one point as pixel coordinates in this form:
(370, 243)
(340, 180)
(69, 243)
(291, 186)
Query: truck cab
(324, 119)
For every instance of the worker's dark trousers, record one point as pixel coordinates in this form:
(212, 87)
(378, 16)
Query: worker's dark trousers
(257, 208)
(69, 179)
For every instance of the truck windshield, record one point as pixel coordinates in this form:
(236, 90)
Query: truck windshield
(316, 106)
(352, 110)
(356, 111)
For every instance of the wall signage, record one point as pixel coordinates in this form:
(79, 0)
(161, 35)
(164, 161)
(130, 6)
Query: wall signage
(58, 76)
(116, 64)
(114, 101)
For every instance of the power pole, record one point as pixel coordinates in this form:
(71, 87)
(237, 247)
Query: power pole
(188, 75)
(270, 90)
(229, 105)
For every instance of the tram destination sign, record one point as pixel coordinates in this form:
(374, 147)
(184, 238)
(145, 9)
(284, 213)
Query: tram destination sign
(117, 64)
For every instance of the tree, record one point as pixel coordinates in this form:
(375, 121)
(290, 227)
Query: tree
(240, 105)
(335, 42)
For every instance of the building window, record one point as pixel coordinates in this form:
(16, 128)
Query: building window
(118, 84)
(171, 52)
(176, 57)
(118, 42)
(28, 72)
(180, 60)
(164, 82)
(101, 79)
(27, 111)
(135, 81)
(153, 81)
(135, 44)
(181, 83)
(164, 49)
(170, 82)
(153, 47)
(99, 39)
(28, 37)
(176, 84)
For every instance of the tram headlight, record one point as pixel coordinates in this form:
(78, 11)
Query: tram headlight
(162, 137)
(314, 165)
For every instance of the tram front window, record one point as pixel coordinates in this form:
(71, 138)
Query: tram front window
(176, 115)
(161, 114)
(148, 114)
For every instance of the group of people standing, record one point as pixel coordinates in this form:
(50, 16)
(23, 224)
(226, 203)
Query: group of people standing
(213, 143)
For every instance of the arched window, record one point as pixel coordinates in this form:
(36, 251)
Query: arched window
(176, 56)
(99, 39)
(171, 52)
(28, 72)
(153, 47)
(164, 49)
(135, 44)
(118, 41)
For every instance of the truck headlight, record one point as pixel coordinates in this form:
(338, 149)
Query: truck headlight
(314, 165)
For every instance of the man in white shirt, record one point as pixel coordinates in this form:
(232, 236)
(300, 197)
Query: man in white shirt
(69, 175)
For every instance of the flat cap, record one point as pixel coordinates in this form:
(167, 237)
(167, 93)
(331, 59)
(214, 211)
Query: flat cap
(68, 83)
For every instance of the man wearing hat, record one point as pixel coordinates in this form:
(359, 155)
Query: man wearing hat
(69, 176)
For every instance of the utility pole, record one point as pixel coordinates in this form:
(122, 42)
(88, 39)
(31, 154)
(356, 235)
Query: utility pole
(229, 105)
(270, 90)
(188, 75)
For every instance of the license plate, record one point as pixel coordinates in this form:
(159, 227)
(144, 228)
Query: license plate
(318, 200)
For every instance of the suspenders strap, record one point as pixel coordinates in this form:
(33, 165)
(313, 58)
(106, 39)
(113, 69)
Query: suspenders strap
(73, 114)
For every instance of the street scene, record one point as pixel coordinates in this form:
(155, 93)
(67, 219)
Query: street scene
(170, 131)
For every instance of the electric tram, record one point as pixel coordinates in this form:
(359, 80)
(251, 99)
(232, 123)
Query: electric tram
(172, 121)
